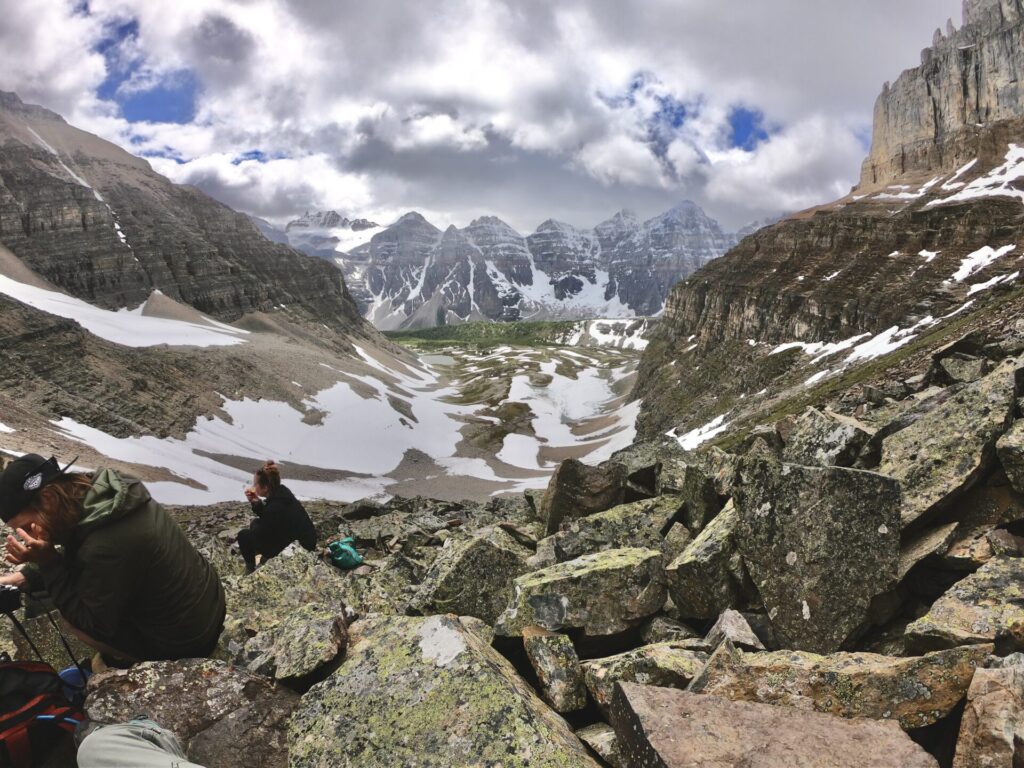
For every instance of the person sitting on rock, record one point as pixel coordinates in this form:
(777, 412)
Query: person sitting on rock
(280, 520)
(125, 579)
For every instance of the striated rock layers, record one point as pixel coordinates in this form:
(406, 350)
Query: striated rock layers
(100, 224)
(929, 119)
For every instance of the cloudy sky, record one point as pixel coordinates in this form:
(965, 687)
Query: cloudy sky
(527, 109)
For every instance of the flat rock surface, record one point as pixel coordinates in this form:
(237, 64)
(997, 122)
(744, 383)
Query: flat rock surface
(601, 594)
(947, 450)
(226, 716)
(975, 609)
(667, 664)
(665, 728)
(914, 691)
(426, 692)
(819, 543)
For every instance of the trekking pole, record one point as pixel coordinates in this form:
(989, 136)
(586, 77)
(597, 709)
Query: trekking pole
(24, 634)
(71, 654)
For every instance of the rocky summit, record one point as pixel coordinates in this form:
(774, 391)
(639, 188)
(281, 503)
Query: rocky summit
(412, 275)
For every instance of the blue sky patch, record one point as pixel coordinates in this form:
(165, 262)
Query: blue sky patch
(748, 128)
(171, 100)
(254, 154)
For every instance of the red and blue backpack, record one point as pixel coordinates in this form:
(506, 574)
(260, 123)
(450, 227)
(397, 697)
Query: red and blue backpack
(35, 713)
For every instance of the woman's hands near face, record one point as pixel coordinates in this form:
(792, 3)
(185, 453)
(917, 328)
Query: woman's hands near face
(15, 579)
(250, 494)
(29, 546)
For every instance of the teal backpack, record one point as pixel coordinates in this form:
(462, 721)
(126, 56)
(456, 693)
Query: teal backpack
(344, 555)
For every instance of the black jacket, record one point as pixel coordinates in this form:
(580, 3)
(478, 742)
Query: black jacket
(281, 520)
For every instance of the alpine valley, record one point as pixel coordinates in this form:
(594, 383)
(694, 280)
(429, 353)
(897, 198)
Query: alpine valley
(413, 275)
(781, 525)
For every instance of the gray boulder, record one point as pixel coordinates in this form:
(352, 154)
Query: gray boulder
(915, 691)
(225, 716)
(601, 738)
(473, 576)
(708, 576)
(287, 619)
(557, 667)
(947, 450)
(638, 524)
(732, 626)
(577, 490)
(601, 594)
(424, 691)
(667, 664)
(825, 440)
(1010, 449)
(975, 610)
(819, 543)
(676, 729)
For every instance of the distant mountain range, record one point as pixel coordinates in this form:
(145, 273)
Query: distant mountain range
(413, 275)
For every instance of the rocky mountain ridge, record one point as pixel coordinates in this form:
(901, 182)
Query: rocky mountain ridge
(886, 263)
(930, 119)
(98, 223)
(413, 275)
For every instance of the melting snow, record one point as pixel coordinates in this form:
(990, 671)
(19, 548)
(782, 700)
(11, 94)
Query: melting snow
(992, 283)
(701, 435)
(128, 327)
(928, 256)
(999, 182)
(4, 429)
(978, 260)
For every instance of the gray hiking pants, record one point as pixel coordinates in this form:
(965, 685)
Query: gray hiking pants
(138, 744)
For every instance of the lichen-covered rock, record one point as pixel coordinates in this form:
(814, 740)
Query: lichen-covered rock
(825, 440)
(601, 594)
(287, 619)
(388, 589)
(1010, 449)
(423, 691)
(916, 691)
(819, 543)
(695, 486)
(975, 609)
(601, 738)
(948, 449)
(558, 669)
(225, 716)
(732, 626)
(662, 629)
(992, 728)
(676, 729)
(925, 543)
(665, 664)
(638, 524)
(472, 577)
(707, 577)
(577, 490)
(988, 504)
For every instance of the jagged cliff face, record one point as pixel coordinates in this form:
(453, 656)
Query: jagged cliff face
(935, 233)
(929, 120)
(411, 275)
(100, 224)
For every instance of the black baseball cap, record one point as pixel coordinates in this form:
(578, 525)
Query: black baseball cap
(22, 479)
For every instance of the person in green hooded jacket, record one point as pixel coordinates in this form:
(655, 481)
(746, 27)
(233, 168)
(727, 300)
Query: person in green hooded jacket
(125, 578)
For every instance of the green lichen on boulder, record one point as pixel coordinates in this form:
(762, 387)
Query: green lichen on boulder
(947, 450)
(666, 664)
(975, 609)
(472, 576)
(287, 619)
(915, 691)
(638, 524)
(819, 543)
(558, 669)
(825, 440)
(600, 594)
(577, 490)
(707, 577)
(1010, 449)
(426, 692)
(224, 716)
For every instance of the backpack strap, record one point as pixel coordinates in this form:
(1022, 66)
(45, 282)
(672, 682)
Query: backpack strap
(19, 747)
